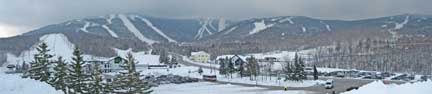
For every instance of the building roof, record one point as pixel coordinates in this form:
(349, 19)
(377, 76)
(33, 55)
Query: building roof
(199, 53)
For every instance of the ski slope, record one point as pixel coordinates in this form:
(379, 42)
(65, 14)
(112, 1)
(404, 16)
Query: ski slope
(131, 27)
(259, 26)
(401, 25)
(84, 28)
(156, 29)
(112, 33)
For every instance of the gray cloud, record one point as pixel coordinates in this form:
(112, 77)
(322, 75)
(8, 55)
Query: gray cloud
(37, 13)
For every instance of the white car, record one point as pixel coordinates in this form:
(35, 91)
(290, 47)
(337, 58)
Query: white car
(329, 84)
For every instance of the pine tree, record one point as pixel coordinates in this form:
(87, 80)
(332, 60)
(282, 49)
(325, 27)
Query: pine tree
(129, 82)
(253, 67)
(200, 70)
(97, 86)
(78, 79)
(40, 67)
(301, 69)
(163, 57)
(315, 72)
(60, 81)
(241, 70)
(288, 71)
(299, 74)
(222, 67)
(230, 68)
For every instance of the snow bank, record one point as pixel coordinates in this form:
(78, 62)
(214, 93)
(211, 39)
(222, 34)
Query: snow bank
(378, 87)
(14, 84)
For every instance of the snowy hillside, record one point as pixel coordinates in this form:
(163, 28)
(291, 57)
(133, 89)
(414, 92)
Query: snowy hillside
(57, 43)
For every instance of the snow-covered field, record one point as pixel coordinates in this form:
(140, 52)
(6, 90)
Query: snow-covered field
(192, 71)
(14, 84)
(213, 88)
(379, 87)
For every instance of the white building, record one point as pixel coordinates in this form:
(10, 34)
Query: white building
(200, 56)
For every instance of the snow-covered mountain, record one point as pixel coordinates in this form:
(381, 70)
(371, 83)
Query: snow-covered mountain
(99, 35)
(144, 28)
(278, 27)
(275, 33)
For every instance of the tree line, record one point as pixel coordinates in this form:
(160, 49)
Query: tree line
(292, 70)
(70, 77)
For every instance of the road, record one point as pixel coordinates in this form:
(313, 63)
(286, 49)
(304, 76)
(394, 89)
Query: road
(340, 84)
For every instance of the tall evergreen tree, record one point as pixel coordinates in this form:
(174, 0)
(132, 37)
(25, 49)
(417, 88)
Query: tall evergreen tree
(222, 67)
(40, 67)
(287, 71)
(298, 74)
(97, 86)
(129, 82)
(230, 69)
(241, 69)
(60, 81)
(163, 57)
(315, 72)
(78, 79)
(253, 68)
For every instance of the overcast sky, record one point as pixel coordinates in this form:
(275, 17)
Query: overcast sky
(18, 16)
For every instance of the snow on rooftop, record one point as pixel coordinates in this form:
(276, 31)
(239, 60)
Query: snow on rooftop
(199, 53)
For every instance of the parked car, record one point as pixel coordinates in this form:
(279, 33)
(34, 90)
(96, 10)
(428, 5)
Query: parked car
(329, 84)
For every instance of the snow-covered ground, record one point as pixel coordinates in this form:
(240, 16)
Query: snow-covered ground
(192, 71)
(379, 87)
(213, 88)
(14, 84)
